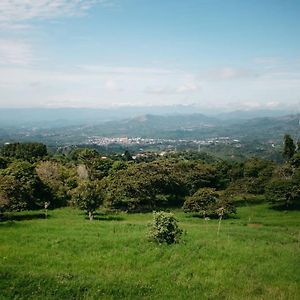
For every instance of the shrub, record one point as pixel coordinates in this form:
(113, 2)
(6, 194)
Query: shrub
(164, 228)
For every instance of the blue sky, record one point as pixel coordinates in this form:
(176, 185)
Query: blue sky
(100, 53)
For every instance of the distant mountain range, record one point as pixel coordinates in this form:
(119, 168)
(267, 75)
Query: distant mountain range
(61, 117)
(197, 126)
(249, 126)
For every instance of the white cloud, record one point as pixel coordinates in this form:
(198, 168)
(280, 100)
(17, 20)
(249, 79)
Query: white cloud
(227, 73)
(112, 86)
(15, 13)
(184, 88)
(119, 85)
(273, 104)
(189, 87)
(124, 70)
(15, 52)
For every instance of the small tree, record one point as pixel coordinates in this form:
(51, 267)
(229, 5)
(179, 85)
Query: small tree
(164, 228)
(88, 197)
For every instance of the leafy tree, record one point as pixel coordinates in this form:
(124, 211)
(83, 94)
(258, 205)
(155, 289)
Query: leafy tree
(99, 168)
(96, 166)
(25, 151)
(88, 196)
(256, 167)
(284, 171)
(127, 156)
(192, 175)
(82, 172)
(10, 196)
(141, 187)
(256, 173)
(223, 170)
(236, 171)
(164, 228)
(84, 154)
(117, 166)
(284, 193)
(28, 189)
(295, 160)
(59, 179)
(289, 147)
(3, 162)
(147, 186)
(203, 201)
(207, 203)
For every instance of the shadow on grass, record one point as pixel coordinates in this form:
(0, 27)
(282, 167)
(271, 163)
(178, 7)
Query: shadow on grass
(214, 217)
(249, 201)
(285, 208)
(22, 217)
(105, 217)
(108, 218)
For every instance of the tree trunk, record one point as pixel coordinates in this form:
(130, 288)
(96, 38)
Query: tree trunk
(91, 216)
(219, 225)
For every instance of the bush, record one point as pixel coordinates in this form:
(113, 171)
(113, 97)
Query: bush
(164, 228)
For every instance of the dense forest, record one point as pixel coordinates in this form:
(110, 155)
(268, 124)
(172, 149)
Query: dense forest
(31, 178)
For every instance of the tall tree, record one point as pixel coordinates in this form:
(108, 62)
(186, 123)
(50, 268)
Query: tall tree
(298, 146)
(289, 147)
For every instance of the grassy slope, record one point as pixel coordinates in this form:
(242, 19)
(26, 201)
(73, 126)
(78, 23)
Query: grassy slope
(68, 257)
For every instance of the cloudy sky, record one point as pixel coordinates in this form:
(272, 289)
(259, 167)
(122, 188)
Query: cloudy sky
(100, 53)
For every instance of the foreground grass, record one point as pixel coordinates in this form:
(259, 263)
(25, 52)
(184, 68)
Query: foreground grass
(256, 256)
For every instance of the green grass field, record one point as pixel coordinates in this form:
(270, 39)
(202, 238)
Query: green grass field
(255, 256)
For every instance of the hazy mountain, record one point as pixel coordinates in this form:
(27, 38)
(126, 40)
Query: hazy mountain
(251, 114)
(61, 117)
(175, 126)
(197, 125)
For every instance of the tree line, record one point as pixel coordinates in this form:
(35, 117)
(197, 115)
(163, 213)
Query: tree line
(31, 178)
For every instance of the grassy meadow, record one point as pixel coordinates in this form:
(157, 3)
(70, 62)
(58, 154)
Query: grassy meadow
(255, 256)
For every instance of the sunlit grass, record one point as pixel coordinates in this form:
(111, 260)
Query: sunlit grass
(255, 256)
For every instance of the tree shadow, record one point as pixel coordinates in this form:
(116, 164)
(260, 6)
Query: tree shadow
(100, 216)
(249, 201)
(211, 217)
(22, 217)
(284, 208)
(108, 218)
